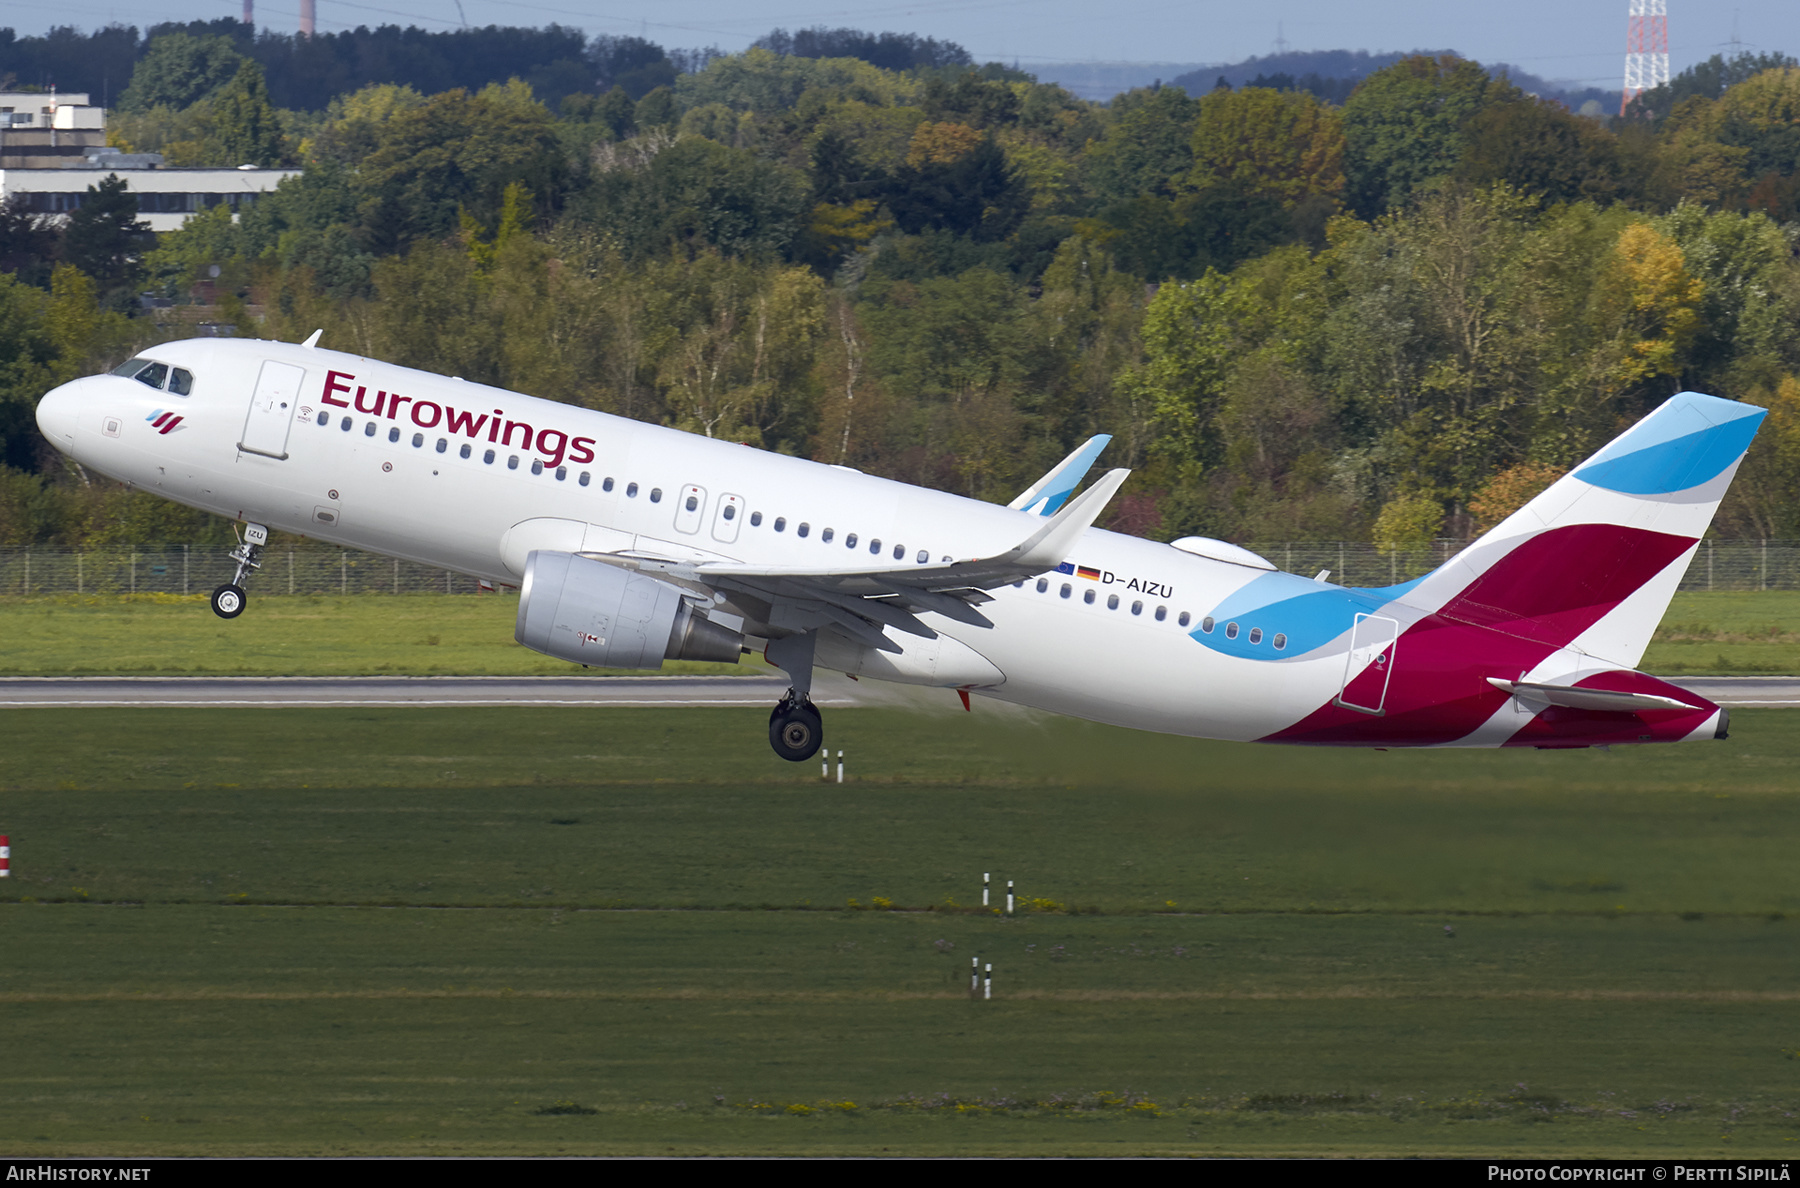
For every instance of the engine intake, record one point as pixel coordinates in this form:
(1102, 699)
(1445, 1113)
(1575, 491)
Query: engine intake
(588, 612)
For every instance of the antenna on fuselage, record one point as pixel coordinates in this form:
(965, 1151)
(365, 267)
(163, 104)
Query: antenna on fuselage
(312, 340)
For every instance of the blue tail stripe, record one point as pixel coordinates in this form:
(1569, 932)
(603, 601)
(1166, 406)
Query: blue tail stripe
(1676, 464)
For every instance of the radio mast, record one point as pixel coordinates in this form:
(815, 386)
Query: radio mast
(1646, 49)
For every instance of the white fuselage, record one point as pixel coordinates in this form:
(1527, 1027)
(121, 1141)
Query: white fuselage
(374, 459)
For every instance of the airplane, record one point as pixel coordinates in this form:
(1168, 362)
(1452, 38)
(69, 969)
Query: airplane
(632, 543)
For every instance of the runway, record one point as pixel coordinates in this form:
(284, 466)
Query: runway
(300, 692)
(297, 692)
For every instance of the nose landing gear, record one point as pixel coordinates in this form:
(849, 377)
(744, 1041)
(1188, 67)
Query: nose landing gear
(229, 600)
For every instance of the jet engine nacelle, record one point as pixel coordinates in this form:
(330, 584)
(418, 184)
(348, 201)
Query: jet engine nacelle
(588, 612)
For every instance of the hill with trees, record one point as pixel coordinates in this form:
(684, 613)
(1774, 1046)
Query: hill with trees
(1390, 316)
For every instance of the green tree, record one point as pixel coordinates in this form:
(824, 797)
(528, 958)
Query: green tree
(454, 151)
(693, 195)
(245, 129)
(28, 356)
(1407, 124)
(178, 70)
(1285, 145)
(105, 238)
(1147, 150)
(1539, 148)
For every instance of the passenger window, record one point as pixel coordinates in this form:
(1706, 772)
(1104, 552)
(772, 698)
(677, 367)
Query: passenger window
(1112, 602)
(1206, 624)
(1162, 612)
(324, 417)
(693, 504)
(923, 557)
(826, 535)
(442, 445)
(756, 519)
(1280, 641)
(850, 541)
(537, 466)
(181, 382)
(562, 472)
(465, 451)
(1042, 585)
(1065, 589)
(875, 546)
(900, 555)
(1184, 619)
(488, 457)
(393, 434)
(803, 529)
(369, 429)
(655, 494)
(781, 523)
(631, 490)
(1231, 631)
(1088, 597)
(730, 512)
(418, 441)
(1256, 635)
(584, 478)
(1137, 608)
(607, 483)
(344, 424)
(512, 462)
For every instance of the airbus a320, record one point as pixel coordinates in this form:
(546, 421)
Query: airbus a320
(632, 544)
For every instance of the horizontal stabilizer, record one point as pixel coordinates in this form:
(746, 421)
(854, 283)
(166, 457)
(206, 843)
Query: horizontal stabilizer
(1046, 496)
(1589, 699)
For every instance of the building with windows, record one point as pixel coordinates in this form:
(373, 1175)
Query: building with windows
(53, 147)
(43, 131)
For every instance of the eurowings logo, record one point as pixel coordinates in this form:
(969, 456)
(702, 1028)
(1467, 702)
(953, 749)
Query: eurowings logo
(164, 422)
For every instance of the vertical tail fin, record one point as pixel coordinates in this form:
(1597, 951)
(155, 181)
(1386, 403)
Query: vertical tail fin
(1592, 562)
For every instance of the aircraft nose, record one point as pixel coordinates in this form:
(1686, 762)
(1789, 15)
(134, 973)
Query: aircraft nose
(57, 414)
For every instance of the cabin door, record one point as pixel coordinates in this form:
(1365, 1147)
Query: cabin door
(1373, 639)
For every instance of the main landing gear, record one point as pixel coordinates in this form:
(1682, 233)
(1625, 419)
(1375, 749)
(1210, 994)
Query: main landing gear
(795, 728)
(229, 600)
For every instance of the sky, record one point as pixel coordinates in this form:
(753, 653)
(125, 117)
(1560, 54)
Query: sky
(1576, 40)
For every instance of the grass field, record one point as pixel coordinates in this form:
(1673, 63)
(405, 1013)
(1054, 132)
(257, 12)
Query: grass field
(539, 931)
(424, 634)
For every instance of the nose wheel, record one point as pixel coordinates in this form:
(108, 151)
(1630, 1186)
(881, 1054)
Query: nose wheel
(229, 600)
(795, 728)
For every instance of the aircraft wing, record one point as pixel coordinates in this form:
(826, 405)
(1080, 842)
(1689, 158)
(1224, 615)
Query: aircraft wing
(862, 601)
(1046, 496)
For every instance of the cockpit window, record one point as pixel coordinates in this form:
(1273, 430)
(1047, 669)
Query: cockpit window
(157, 375)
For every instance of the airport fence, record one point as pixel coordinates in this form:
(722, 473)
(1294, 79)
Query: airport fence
(1719, 565)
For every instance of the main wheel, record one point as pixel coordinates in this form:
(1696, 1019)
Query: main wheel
(795, 731)
(228, 601)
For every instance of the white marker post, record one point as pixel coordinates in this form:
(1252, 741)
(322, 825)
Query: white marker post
(824, 765)
(1009, 897)
(840, 767)
(5, 857)
(987, 983)
(984, 888)
(974, 975)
